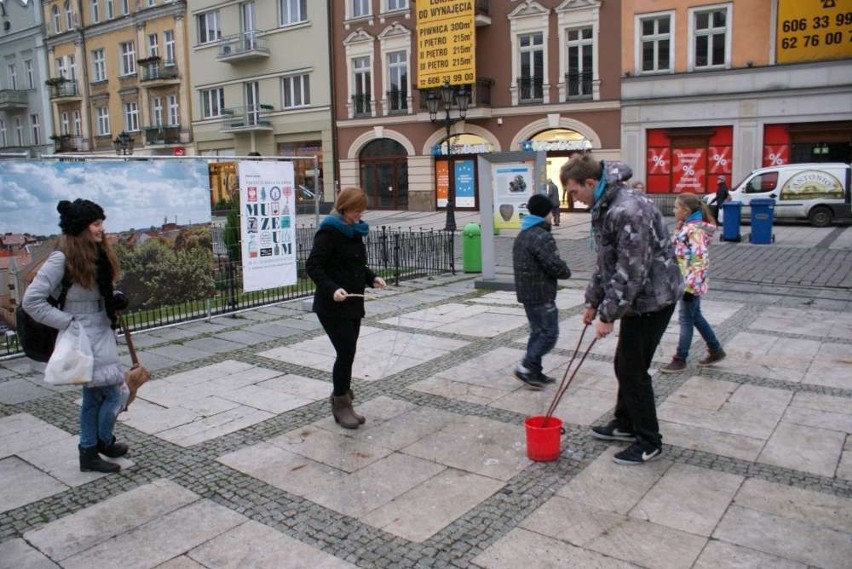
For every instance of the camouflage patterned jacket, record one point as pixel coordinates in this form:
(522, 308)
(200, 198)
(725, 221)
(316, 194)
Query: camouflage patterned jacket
(636, 271)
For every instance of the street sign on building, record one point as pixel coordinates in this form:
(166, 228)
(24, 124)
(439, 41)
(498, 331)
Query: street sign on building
(817, 30)
(446, 43)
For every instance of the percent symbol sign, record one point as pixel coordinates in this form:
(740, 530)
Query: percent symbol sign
(720, 160)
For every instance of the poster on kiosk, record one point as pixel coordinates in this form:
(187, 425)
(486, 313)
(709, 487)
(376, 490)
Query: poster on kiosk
(267, 224)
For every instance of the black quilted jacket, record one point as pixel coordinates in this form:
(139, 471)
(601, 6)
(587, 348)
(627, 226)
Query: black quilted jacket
(537, 265)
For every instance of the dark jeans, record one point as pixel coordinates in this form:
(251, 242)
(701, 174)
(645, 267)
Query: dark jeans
(690, 317)
(544, 331)
(635, 409)
(343, 333)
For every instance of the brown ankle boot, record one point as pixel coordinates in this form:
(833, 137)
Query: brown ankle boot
(361, 418)
(341, 408)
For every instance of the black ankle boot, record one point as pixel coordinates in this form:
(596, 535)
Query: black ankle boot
(112, 449)
(91, 461)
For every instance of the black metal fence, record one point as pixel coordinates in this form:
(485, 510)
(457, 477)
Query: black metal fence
(394, 254)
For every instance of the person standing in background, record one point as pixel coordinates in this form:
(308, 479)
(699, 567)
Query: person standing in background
(553, 195)
(722, 195)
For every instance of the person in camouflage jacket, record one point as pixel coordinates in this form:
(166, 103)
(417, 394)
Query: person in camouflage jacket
(636, 280)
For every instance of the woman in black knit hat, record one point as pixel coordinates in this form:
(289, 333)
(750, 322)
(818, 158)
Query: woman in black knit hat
(85, 260)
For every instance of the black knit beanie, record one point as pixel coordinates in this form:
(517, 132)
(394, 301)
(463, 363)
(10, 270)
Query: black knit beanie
(539, 205)
(75, 217)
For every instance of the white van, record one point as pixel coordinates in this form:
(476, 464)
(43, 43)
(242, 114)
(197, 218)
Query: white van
(818, 192)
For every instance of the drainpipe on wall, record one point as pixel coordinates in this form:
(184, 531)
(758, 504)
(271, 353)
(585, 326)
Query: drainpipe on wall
(333, 85)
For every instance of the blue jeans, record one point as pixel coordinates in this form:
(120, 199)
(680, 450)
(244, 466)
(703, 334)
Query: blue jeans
(690, 317)
(544, 331)
(101, 406)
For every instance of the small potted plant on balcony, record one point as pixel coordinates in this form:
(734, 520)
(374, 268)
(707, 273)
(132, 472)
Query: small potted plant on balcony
(56, 81)
(153, 59)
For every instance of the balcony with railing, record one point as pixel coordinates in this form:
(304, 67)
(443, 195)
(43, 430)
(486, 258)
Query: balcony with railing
(13, 99)
(362, 105)
(397, 101)
(243, 47)
(162, 134)
(480, 96)
(578, 85)
(158, 73)
(67, 89)
(250, 118)
(530, 90)
(67, 143)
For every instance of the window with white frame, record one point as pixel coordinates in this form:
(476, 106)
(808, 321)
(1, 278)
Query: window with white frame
(28, 69)
(72, 67)
(98, 65)
(397, 95)
(580, 63)
(13, 77)
(359, 8)
(212, 102)
(157, 111)
(61, 69)
(208, 27)
(152, 3)
(296, 91)
(35, 129)
(64, 123)
(655, 43)
(19, 131)
(710, 38)
(4, 142)
(125, 7)
(96, 11)
(531, 66)
(169, 43)
(131, 116)
(102, 114)
(54, 13)
(362, 85)
(174, 110)
(78, 123)
(69, 15)
(127, 51)
(110, 9)
(292, 11)
(153, 45)
(396, 5)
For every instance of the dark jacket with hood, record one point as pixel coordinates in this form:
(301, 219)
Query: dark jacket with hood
(636, 271)
(537, 265)
(338, 261)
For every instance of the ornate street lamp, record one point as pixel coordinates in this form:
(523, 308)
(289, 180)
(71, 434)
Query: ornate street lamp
(123, 144)
(444, 98)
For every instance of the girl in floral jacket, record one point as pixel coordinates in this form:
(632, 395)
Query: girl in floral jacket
(691, 240)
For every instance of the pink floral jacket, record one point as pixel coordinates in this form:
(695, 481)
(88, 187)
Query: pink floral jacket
(691, 244)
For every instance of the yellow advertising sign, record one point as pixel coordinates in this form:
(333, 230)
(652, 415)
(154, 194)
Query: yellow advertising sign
(813, 30)
(446, 33)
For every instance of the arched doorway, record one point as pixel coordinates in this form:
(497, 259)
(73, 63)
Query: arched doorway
(384, 174)
(560, 144)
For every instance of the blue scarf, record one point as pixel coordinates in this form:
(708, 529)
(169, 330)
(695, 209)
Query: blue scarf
(530, 220)
(348, 229)
(599, 192)
(696, 215)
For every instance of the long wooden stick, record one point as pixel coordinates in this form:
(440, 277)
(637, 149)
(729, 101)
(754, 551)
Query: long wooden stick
(129, 340)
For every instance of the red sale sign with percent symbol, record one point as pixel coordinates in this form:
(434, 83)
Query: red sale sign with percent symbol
(659, 161)
(688, 170)
(776, 155)
(720, 159)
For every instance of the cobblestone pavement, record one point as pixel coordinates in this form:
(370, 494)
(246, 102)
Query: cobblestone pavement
(235, 461)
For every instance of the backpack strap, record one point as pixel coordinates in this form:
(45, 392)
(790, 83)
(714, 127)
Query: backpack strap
(66, 284)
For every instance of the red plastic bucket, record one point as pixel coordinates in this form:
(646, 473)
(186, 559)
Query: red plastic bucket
(544, 437)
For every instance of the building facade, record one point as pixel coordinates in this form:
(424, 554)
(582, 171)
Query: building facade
(24, 108)
(545, 80)
(715, 89)
(118, 66)
(261, 82)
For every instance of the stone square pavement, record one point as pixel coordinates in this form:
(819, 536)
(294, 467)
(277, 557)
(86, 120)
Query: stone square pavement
(235, 461)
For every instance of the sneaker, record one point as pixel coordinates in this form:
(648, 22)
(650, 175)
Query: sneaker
(635, 455)
(530, 378)
(677, 364)
(611, 432)
(713, 356)
(546, 378)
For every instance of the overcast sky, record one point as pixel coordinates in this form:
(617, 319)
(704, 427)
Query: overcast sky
(134, 194)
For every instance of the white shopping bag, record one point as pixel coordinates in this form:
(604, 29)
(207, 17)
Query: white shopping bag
(71, 362)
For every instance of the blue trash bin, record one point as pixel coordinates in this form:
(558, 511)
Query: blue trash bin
(731, 221)
(762, 215)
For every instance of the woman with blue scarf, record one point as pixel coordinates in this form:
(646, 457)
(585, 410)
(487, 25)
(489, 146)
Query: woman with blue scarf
(691, 241)
(338, 266)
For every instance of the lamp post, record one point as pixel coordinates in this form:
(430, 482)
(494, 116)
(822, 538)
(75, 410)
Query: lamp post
(123, 144)
(444, 97)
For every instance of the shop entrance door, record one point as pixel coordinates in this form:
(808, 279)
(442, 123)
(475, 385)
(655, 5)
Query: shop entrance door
(384, 174)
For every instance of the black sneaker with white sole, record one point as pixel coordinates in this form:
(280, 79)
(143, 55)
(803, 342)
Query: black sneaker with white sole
(611, 432)
(636, 454)
(546, 378)
(530, 378)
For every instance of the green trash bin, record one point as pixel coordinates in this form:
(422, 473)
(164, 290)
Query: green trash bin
(472, 248)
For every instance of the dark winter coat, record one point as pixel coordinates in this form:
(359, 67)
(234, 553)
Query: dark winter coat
(337, 261)
(636, 271)
(537, 265)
